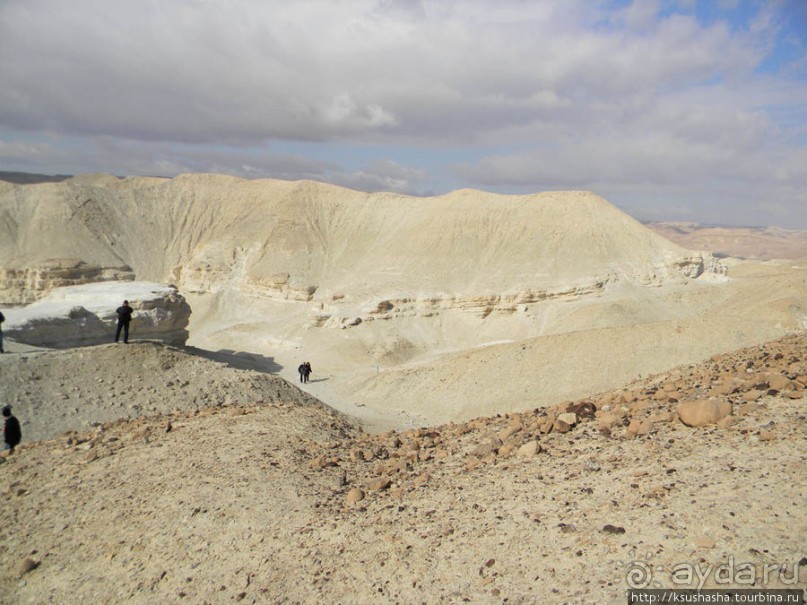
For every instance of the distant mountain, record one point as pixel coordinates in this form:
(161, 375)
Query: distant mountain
(741, 242)
(30, 178)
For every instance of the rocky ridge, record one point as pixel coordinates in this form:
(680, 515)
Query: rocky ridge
(283, 502)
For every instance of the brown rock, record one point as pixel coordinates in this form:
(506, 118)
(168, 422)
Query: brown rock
(559, 426)
(569, 418)
(767, 436)
(750, 408)
(703, 412)
(662, 417)
(486, 448)
(377, 483)
(472, 464)
(704, 542)
(639, 427)
(422, 479)
(725, 423)
(638, 406)
(28, 565)
(607, 421)
(584, 409)
(354, 495)
(510, 430)
(529, 449)
(509, 446)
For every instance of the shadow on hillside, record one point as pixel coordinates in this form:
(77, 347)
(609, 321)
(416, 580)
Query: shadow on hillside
(241, 360)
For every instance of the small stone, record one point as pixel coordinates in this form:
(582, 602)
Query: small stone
(704, 542)
(767, 436)
(585, 409)
(354, 495)
(28, 565)
(613, 529)
(561, 426)
(378, 483)
(639, 427)
(725, 423)
(569, 418)
(529, 449)
(510, 430)
(483, 450)
(608, 421)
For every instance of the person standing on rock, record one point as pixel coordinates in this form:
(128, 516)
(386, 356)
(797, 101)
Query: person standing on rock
(124, 317)
(12, 434)
(2, 319)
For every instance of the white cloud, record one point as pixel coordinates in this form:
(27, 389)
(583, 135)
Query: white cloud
(585, 93)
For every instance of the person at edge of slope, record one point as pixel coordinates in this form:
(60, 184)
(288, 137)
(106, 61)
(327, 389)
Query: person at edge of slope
(12, 434)
(124, 318)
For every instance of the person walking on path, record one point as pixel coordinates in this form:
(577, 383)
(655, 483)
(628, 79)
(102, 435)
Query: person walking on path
(124, 317)
(12, 434)
(2, 319)
(305, 371)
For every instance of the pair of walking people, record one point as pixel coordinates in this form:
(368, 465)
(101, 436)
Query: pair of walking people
(305, 371)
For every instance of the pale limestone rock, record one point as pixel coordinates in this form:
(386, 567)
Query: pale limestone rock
(529, 449)
(702, 412)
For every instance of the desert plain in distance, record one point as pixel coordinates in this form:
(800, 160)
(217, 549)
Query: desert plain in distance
(500, 410)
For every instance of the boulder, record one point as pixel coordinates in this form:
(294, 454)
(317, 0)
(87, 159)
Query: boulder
(703, 412)
(85, 315)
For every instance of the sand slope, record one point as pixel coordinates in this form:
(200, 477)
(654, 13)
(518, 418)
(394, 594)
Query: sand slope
(252, 502)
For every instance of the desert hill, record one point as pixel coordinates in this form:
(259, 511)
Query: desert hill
(413, 311)
(283, 500)
(78, 389)
(766, 243)
(311, 241)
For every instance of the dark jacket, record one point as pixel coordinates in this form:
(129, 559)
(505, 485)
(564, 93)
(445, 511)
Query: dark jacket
(124, 314)
(12, 432)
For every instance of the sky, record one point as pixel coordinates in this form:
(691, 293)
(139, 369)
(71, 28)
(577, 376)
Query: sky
(692, 110)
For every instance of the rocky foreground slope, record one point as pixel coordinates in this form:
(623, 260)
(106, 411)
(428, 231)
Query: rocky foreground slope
(287, 501)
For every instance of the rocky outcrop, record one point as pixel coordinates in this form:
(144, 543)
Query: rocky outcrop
(27, 284)
(84, 315)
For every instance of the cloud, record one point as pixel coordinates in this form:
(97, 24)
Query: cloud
(243, 72)
(509, 95)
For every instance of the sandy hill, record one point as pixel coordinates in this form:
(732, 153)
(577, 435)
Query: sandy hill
(79, 389)
(412, 310)
(283, 500)
(301, 239)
